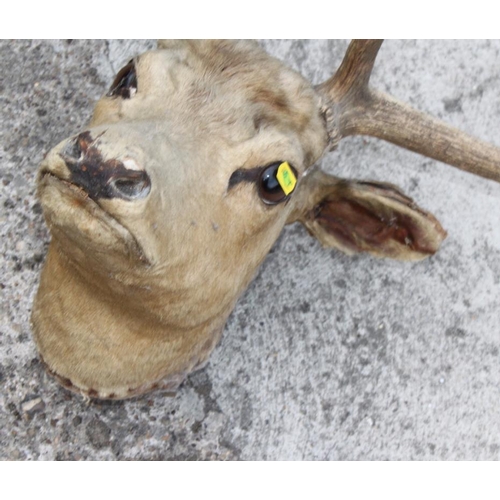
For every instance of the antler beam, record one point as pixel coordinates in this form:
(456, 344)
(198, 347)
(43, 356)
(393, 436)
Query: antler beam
(357, 109)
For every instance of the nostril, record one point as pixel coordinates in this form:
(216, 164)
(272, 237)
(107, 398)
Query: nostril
(76, 148)
(72, 152)
(134, 185)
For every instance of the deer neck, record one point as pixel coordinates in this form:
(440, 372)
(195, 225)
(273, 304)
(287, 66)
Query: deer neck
(111, 346)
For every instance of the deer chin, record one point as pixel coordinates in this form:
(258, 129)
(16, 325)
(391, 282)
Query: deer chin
(83, 227)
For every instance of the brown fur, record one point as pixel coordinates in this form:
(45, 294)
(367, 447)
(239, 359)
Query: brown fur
(135, 293)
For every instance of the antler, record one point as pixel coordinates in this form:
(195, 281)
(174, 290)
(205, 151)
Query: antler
(354, 108)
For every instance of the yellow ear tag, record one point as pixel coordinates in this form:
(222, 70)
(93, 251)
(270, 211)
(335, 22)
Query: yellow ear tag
(286, 178)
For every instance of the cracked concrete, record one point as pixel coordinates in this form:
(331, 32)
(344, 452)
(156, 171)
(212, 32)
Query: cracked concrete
(328, 357)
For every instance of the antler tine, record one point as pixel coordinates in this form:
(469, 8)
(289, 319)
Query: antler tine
(356, 109)
(353, 75)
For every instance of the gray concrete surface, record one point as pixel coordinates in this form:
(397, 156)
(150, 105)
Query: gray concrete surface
(328, 357)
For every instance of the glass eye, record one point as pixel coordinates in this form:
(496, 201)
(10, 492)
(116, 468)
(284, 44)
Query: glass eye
(271, 190)
(125, 84)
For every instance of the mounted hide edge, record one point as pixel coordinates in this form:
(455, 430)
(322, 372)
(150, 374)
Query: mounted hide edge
(163, 208)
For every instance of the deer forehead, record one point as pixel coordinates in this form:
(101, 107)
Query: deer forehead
(220, 91)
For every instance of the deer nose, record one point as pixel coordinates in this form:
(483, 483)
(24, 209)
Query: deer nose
(100, 178)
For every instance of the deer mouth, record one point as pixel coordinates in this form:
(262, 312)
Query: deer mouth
(55, 191)
(75, 194)
(47, 177)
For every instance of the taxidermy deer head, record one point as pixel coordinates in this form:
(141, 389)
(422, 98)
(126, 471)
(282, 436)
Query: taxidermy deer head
(162, 210)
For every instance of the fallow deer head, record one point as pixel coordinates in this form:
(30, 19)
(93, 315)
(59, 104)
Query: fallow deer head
(162, 210)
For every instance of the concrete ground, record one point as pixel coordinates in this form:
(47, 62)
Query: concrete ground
(332, 358)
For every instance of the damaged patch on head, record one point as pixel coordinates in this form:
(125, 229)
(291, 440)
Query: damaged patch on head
(103, 178)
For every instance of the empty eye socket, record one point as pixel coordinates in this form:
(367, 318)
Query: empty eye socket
(270, 190)
(125, 84)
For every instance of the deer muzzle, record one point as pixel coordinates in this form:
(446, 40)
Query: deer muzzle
(99, 176)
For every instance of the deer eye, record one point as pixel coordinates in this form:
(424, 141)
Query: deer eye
(125, 84)
(277, 182)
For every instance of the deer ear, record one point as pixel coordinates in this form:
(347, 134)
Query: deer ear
(373, 217)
